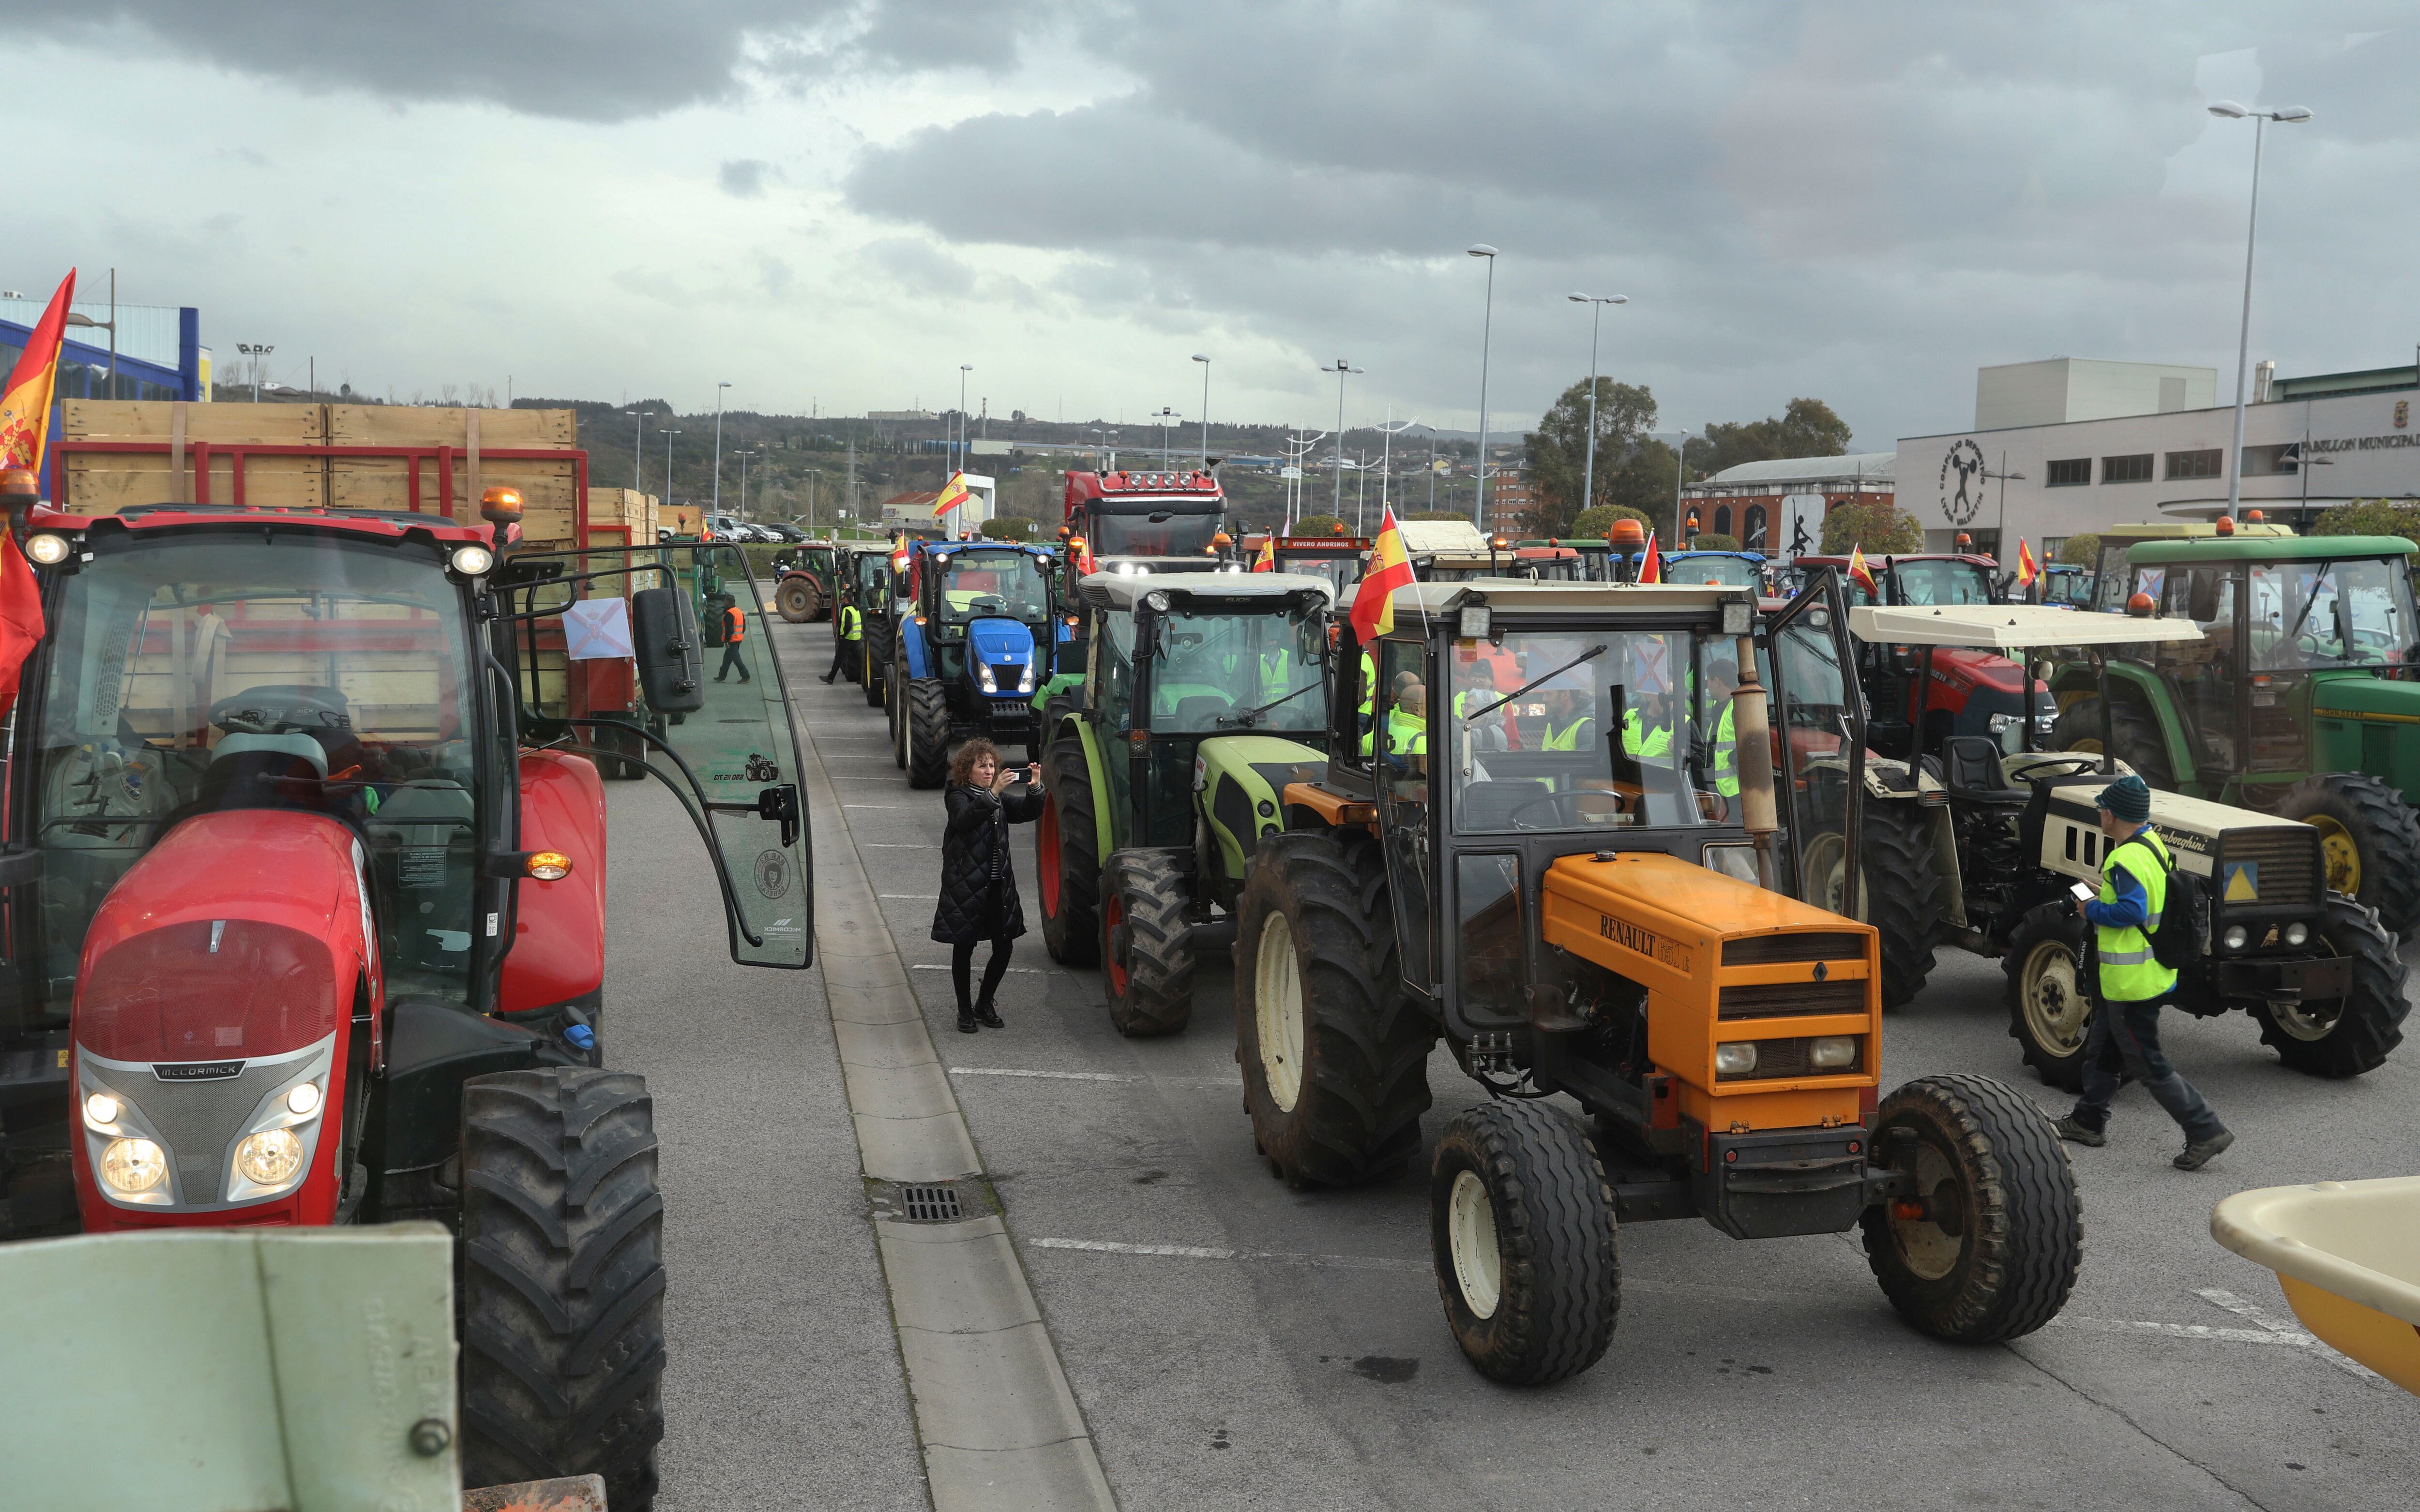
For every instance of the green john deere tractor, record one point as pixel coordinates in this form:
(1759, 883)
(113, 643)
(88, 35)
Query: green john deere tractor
(1203, 701)
(2295, 701)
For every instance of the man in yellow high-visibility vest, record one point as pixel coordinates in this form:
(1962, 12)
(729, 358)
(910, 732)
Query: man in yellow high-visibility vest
(848, 629)
(2132, 984)
(1722, 759)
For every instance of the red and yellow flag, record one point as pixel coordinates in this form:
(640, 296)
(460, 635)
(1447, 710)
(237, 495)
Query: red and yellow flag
(1651, 562)
(1268, 560)
(1391, 568)
(24, 420)
(1859, 573)
(2026, 569)
(953, 493)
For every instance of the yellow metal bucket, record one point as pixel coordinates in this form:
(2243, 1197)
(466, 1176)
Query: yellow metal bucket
(2347, 1254)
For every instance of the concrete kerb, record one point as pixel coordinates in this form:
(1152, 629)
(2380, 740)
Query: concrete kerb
(995, 1418)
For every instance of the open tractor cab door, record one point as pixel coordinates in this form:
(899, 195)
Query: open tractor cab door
(304, 867)
(1568, 826)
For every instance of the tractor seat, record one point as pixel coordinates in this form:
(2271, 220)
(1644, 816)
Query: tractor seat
(1490, 806)
(1970, 769)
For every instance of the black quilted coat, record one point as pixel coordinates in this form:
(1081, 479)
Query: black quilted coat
(979, 897)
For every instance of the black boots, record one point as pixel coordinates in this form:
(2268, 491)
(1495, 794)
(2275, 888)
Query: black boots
(987, 1017)
(967, 1024)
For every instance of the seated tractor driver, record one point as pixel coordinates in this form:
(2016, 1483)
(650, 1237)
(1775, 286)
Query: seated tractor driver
(1571, 715)
(1647, 729)
(1717, 743)
(1407, 727)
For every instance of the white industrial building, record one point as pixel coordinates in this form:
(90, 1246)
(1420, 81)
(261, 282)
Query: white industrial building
(2063, 447)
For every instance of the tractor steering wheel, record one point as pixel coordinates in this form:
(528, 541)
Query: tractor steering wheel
(1620, 804)
(2062, 766)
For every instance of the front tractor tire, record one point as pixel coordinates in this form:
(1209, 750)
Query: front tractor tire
(1986, 1247)
(871, 678)
(562, 1281)
(2369, 840)
(1067, 855)
(2355, 1034)
(1898, 893)
(1335, 1055)
(799, 600)
(2050, 1009)
(925, 714)
(1521, 1225)
(1146, 941)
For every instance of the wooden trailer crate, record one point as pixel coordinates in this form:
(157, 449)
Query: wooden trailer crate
(106, 479)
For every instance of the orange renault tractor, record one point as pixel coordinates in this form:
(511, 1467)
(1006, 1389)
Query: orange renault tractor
(304, 884)
(1552, 832)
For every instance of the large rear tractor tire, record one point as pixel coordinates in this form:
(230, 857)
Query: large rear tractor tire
(2369, 838)
(562, 1281)
(1521, 1225)
(1899, 892)
(925, 714)
(1335, 1056)
(1987, 1248)
(2078, 727)
(2142, 746)
(1146, 941)
(799, 600)
(2049, 1006)
(1067, 855)
(2353, 1034)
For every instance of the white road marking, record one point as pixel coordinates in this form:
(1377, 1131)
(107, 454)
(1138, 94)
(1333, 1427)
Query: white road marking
(1096, 1076)
(918, 806)
(1198, 1252)
(889, 844)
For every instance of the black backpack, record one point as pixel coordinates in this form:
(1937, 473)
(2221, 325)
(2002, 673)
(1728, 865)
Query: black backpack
(2185, 918)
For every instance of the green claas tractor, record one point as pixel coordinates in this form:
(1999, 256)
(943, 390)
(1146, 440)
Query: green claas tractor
(1203, 702)
(1569, 851)
(2295, 700)
(2018, 829)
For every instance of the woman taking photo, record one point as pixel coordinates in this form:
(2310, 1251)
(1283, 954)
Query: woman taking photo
(979, 897)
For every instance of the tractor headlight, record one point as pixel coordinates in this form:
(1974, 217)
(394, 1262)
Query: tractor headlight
(132, 1166)
(2236, 936)
(101, 1109)
(985, 680)
(268, 1158)
(302, 1099)
(1831, 1052)
(48, 550)
(472, 561)
(1025, 684)
(2297, 934)
(1735, 1059)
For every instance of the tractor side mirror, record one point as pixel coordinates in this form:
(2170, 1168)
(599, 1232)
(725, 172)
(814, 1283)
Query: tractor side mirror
(664, 642)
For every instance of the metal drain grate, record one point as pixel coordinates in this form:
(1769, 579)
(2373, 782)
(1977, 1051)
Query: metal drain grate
(930, 1204)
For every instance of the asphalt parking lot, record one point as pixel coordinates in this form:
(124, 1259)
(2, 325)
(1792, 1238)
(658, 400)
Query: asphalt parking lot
(1235, 1344)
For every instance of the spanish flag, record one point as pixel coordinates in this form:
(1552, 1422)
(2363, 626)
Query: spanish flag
(953, 493)
(1268, 560)
(1374, 601)
(1651, 562)
(1859, 573)
(2026, 570)
(24, 419)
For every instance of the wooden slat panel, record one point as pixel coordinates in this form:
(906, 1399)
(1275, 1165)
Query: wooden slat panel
(365, 424)
(150, 420)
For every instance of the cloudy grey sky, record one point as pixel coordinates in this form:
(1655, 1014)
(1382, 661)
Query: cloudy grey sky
(839, 203)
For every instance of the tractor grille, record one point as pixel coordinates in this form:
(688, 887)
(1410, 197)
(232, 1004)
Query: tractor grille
(2289, 861)
(1784, 999)
(1776, 949)
(1006, 674)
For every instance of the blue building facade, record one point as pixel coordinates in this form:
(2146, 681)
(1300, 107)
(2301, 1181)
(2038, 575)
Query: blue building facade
(160, 352)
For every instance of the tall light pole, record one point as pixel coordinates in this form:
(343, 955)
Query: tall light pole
(1340, 367)
(2290, 115)
(1486, 330)
(1596, 303)
(964, 368)
(1163, 416)
(258, 354)
(639, 455)
(1204, 358)
(669, 433)
(743, 453)
(1387, 461)
(1679, 480)
(717, 446)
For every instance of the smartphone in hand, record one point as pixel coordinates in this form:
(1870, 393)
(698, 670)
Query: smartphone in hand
(2080, 893)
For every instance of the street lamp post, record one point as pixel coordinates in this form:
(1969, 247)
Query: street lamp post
(669, 433)
(1340, 367)
(258, 353)
(639, 455)
(1204, 359)
(1163, 416)
(1486, 331)
(964, 368)
(717, 446)
(2290, 115)
(1679, 481)
(1388, 433)
(1596, 303)
(743, 453)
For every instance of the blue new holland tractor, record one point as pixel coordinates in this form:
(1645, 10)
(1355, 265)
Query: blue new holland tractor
(972, 650)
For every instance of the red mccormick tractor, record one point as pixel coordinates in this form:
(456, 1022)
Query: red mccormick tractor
(304, 876)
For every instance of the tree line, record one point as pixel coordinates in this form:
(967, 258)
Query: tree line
(1635, 471)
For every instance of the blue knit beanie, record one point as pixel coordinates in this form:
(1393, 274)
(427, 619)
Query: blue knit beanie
(2127, 798)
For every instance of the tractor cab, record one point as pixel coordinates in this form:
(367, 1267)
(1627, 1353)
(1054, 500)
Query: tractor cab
(2117, 543)
(2067, 586)
(1921, 695)
(803, 584)
(1338, 559)
(973, 643)
(305, 862)
(1579, 831)
(1727, 569)
(876, 581)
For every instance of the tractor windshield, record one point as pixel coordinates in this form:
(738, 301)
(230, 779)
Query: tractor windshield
(303, 671)
(1161, 533)
(2311, 616)
(1341, 572)
(1601, 729)
(1939, 582)
(1218, 671)
(1728, 571)
(978, 584)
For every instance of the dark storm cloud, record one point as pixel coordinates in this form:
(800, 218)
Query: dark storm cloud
(744, 177)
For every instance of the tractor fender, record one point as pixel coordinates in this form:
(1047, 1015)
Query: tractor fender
(1107, 817)
(1059, 682)
(244, 939)
(912, 647)
(2152, 689)
(1237, 783)
(558, 949)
